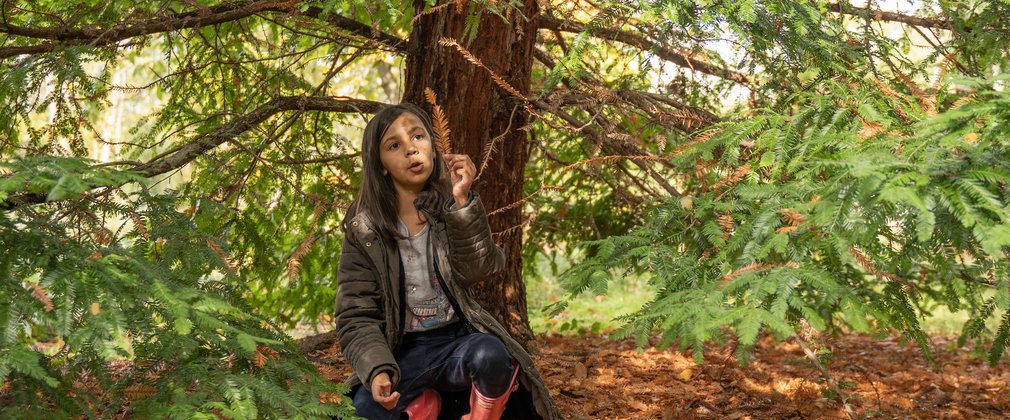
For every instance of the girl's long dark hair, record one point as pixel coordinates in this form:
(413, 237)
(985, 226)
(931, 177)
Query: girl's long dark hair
(377, 196)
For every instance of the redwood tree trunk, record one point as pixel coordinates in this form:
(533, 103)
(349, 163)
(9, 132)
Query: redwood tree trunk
(479, 112)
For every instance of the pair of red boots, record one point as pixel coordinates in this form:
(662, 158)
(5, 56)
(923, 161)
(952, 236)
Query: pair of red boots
(429, 403)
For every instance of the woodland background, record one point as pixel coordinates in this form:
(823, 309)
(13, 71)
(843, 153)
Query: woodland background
(173, 175)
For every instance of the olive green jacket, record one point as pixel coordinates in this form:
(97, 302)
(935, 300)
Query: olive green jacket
(369, 310)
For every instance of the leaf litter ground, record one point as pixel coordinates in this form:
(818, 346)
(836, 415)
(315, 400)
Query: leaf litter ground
(593, 377)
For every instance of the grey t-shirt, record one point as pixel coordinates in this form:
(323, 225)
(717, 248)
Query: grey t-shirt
(427, 305)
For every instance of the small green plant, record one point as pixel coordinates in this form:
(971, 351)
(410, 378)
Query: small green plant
(843, 384)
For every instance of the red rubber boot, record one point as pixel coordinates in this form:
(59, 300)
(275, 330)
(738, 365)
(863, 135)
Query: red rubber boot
(487, 408)
(425, 407)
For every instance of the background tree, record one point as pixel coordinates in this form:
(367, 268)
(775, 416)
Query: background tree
(493, 135)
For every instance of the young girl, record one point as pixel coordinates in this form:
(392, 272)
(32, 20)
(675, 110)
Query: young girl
(415, 239)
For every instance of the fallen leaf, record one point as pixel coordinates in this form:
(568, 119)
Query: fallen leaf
(581, 372)
(139, 391)
(330, 397)
(638, 405)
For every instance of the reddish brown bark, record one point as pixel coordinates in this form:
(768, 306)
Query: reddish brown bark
(480, 112)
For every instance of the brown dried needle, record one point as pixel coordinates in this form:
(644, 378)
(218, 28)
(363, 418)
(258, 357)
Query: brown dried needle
(441, 124)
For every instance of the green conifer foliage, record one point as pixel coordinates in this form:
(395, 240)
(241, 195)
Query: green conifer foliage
(859, 190)
(813, 216)
(115, 300)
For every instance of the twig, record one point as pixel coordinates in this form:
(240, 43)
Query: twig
(491, 145)
(824, 372)
(862, 370)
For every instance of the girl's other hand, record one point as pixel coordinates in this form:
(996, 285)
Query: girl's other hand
(380, 391)
(461, 171)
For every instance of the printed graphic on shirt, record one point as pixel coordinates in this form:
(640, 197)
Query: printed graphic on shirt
(430, 313)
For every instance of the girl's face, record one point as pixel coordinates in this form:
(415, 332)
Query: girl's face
(405, 151)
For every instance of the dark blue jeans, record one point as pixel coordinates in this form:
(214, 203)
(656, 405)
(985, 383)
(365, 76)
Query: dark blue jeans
(448, 359)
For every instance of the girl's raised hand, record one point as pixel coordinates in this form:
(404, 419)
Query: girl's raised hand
(461, 171)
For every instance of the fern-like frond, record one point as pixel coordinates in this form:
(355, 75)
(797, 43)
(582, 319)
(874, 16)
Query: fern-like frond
(441, 123)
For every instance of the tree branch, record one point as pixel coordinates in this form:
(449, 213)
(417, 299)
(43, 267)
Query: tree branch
(360, 29)
(125, 30)
(690, 119)
(849, 9)
(205, 142)
(26, 50)
(619, 147)
(66, 36)
(635, 40)
(705, 115)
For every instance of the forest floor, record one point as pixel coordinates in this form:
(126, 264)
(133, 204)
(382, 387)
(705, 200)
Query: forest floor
(592, 377)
